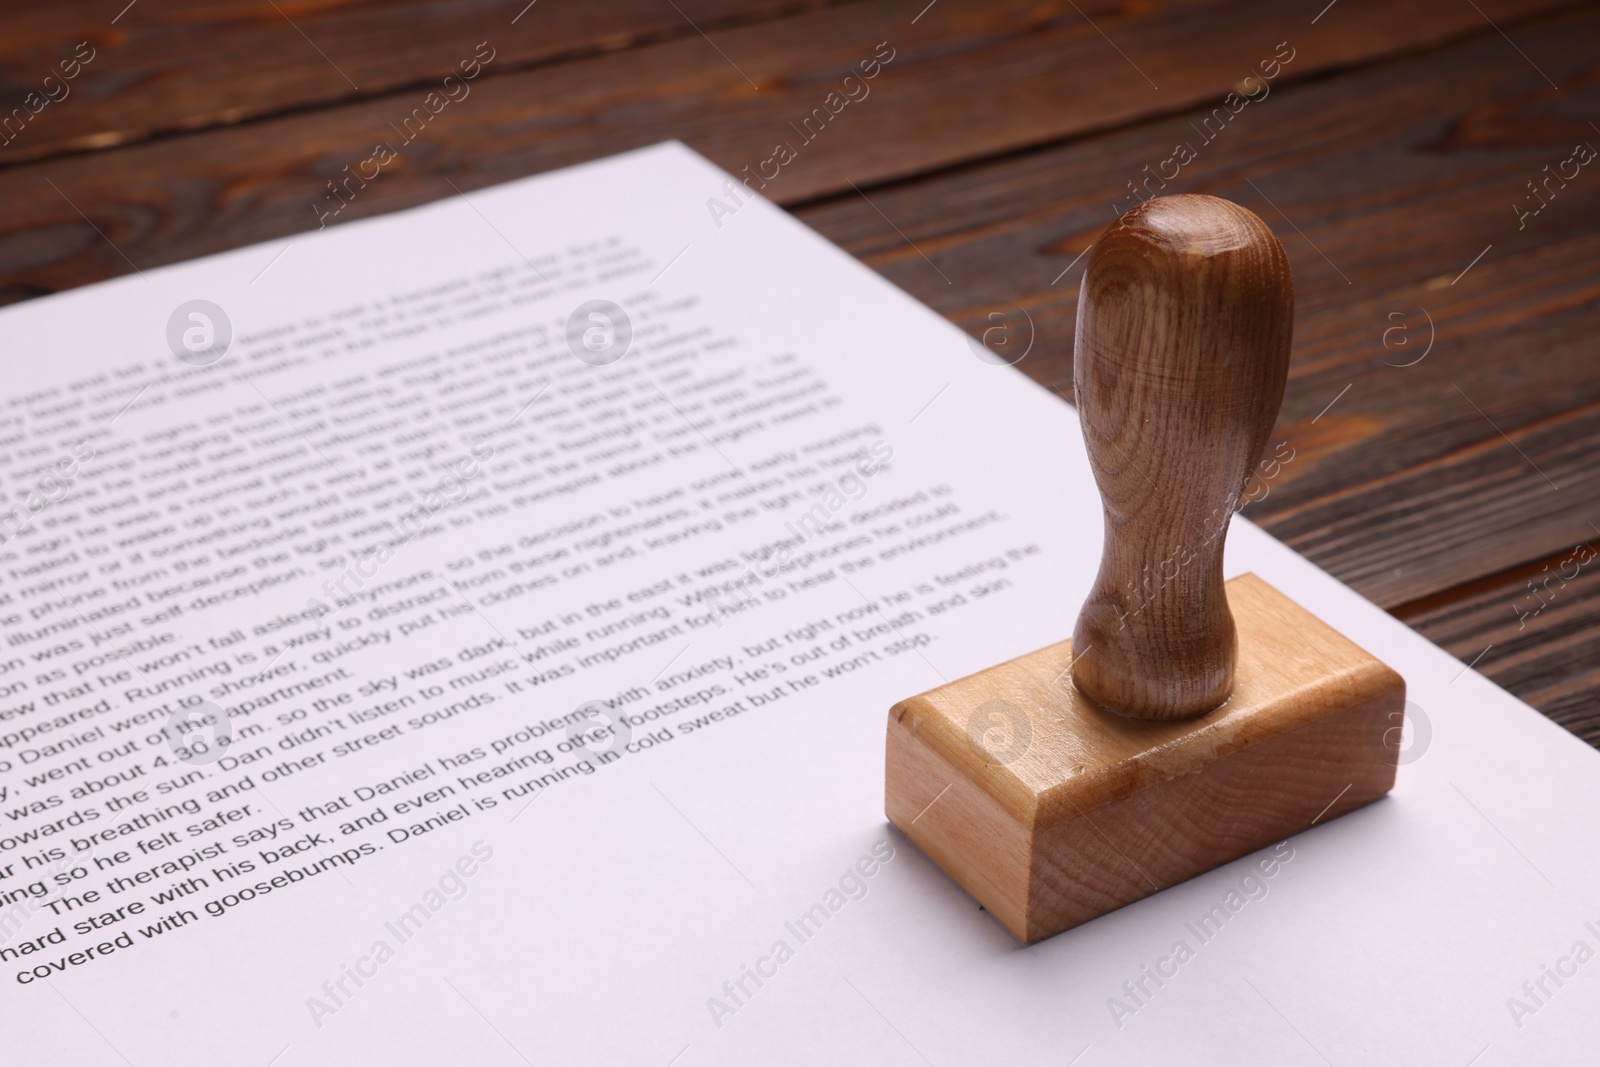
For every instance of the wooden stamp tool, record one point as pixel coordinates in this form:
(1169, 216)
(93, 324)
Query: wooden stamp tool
(1189, 721)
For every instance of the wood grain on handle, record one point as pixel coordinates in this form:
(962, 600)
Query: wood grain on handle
(1184, 326)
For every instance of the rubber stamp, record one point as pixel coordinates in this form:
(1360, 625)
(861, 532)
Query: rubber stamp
(1189, 721)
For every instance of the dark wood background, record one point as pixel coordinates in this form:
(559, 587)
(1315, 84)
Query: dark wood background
(1389, 156)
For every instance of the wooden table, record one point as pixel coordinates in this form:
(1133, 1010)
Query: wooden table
(1419, 159)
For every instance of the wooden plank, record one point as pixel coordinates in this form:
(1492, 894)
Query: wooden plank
(1534, 630)
(1401, 481)
(963, 81)
(163, 67)
(1490, 504)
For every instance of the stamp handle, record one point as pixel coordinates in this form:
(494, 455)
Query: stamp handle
(1184, 324)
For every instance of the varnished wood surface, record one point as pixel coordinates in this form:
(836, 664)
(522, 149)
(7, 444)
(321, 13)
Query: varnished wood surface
(189, 64)
(975, 82)
(1387, 156)
(1535, 629)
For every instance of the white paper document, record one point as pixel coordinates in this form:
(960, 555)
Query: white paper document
(466, 637)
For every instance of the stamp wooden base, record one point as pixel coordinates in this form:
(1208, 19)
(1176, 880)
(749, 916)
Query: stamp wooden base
(1050, 811)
